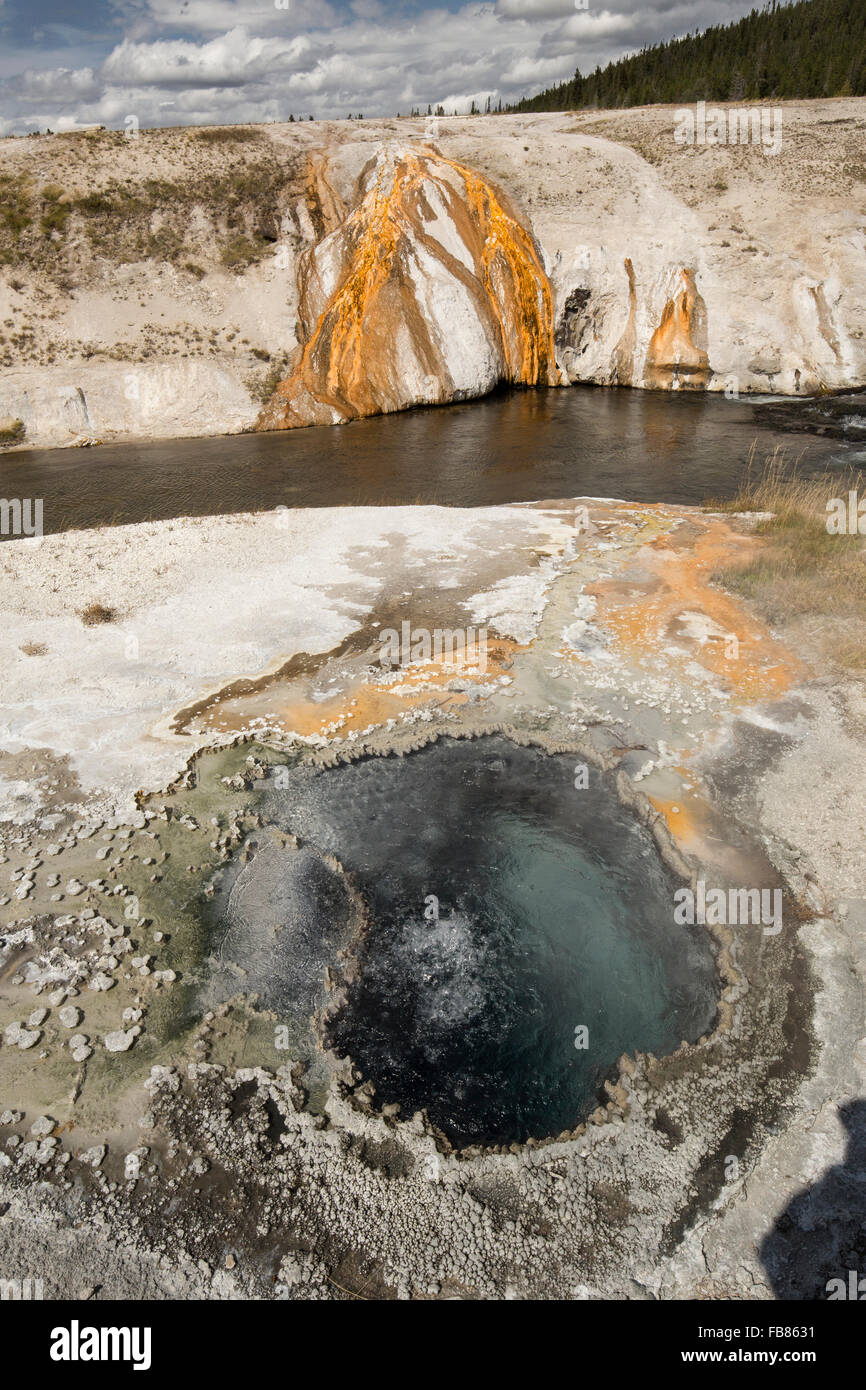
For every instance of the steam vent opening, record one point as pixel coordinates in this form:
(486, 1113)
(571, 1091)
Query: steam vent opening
(508, 909)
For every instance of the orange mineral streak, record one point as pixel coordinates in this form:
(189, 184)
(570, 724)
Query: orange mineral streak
(682, 822)
(679, 589)
(515, 281)
(677, 351)
(355, 344)
(365, 702)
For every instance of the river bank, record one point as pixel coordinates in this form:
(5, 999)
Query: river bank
(153, 289)
(517, 446)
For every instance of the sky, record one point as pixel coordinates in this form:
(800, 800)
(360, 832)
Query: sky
(68, 63)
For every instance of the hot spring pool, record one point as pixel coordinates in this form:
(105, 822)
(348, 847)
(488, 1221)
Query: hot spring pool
(512, 918)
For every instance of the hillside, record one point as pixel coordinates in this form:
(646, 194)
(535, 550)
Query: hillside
(815, 48)
(159, 287)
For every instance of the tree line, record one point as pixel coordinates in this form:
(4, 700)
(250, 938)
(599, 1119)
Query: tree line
(813, 48)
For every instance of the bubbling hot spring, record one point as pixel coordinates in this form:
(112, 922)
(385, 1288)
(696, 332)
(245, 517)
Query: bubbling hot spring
(520, 932)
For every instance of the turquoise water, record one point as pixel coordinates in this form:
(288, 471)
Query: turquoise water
(553, 912)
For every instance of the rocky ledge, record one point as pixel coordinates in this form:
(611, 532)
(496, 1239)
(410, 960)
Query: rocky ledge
(327, 271)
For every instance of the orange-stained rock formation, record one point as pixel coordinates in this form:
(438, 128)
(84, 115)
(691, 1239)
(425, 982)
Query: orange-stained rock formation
(677, 353)
(430, 290)
(366, 698)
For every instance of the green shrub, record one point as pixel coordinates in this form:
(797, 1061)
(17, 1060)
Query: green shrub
(239, 252)
(262, 388)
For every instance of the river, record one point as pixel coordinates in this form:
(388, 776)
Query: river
(517, 446)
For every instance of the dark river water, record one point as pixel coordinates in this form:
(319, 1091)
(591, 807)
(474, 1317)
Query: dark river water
(519, 446)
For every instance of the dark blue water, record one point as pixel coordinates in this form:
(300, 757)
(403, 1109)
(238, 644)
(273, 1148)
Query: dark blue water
(519, 446)
(506, 910)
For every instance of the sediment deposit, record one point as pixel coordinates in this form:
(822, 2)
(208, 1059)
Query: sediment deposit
(169, 285)
(203, 1152)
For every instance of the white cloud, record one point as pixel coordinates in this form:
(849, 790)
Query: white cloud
(154, 18)
(235, 59)
(535, 9)
(214, 61)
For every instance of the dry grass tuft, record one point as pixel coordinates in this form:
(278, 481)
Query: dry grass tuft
(803, 577)
(11, 431)
(96, 613)
(223, 135)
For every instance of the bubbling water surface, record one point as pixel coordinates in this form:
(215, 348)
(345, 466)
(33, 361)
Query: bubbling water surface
(521, 933)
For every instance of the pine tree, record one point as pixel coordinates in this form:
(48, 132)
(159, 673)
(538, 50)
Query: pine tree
(809, 48)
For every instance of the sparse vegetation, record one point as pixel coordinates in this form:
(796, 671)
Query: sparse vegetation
(56, 209)
(221, 135)
(261, 388)
(240, 251)
(802, 576)
(165, 245)
(11, 431)
(220, 201)
(16, 213)
(96, 613)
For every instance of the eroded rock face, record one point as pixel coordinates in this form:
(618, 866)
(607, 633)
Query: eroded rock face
(663, 345)
(609, 204)
(677, 351)
(430, 290)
